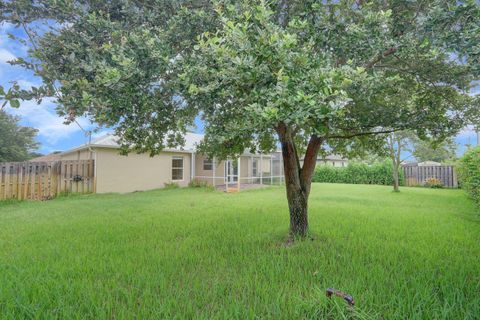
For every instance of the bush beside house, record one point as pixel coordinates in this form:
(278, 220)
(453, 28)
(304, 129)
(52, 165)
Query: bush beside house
(358, 173)
(469, 173)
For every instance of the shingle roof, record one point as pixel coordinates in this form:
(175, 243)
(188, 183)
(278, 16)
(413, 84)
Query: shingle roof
(332, 157)
(47, 158)
(111, 141)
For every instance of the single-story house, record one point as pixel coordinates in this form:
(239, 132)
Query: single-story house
(139, 172)
(333, 160)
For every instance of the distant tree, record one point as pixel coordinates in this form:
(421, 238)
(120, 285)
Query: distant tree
(397, 144)
(305, 73)
(17, 143)
(424, 150)
(35, 155)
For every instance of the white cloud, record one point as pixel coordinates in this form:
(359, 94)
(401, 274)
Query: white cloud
(50, 126)
(26, 84)
(6, 55)
(467, 132)
(6, 27)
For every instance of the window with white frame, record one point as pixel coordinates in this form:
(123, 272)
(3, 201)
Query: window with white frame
(207, 164)
(177, 168)
(254, 167)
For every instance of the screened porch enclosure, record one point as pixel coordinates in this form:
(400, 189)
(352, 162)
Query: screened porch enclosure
(234, 174)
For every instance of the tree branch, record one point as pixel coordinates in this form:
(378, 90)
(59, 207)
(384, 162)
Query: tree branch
(362, 134)
(310, 161)
(283, 13)
(380, 57)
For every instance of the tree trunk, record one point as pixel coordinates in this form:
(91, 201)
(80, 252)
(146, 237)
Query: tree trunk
(392, 140)
(298, 206)
(396, 184)
(296, 195)
(298, 180)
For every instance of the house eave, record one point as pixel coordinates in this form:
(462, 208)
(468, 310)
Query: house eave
(100, 146)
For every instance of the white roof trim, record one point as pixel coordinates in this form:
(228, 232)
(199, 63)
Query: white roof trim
(110, 141)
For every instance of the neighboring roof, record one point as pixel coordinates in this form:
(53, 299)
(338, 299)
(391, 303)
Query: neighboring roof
(47, 158)
(421, 164)
(429, 163)
(111, 141)
(331, 157)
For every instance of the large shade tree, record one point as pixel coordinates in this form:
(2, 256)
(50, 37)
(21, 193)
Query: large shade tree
(311, 75)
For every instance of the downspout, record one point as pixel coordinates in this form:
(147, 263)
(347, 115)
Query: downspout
(192, 166)
(95, 171)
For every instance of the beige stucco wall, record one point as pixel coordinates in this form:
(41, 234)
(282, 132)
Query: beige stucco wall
(245, 167)
(136, 172)
(84, 154)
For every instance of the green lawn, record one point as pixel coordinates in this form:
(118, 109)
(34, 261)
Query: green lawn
(194, 253)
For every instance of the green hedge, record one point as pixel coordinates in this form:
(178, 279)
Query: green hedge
(358, 173)
(469, 173)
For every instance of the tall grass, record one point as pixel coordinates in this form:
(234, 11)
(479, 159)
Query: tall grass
(194, 253)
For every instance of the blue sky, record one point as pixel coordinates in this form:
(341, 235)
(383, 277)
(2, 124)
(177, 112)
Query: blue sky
(53, 133)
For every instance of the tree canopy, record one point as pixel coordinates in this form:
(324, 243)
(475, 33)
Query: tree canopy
(17, 142)
(329, 75)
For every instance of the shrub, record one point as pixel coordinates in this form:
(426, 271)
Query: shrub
(433, 183)
(469, 173)
(171, 185)
(358, 173)
(196, 183)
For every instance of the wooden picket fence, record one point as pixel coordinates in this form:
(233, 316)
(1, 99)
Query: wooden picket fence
(44, 180)
(417, 175)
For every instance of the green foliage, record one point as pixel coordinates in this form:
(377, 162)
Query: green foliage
(343, 79)
(340, 70)
(166, 254)
(380, 173)
(171, 185)
(469, 173)
(196, 183)
(433, 183)
(113, 61)
(17, 143)
(445, 151)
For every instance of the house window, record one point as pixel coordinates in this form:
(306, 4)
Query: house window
(207, 164)
(177, 168)
(254, 167)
